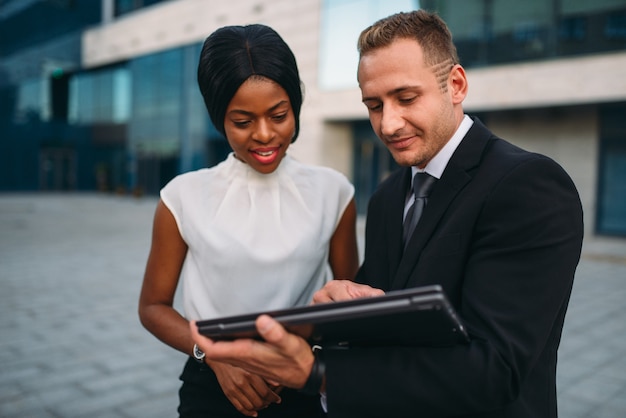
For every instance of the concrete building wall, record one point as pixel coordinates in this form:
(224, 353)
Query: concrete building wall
(563, 82)
(567, 135)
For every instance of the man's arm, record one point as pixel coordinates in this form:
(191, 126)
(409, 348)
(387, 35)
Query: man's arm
(522, 249)
(284, 359)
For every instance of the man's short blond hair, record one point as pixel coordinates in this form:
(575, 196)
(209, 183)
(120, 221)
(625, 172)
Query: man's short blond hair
(428, 29)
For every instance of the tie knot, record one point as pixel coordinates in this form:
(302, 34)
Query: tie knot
(423, 184)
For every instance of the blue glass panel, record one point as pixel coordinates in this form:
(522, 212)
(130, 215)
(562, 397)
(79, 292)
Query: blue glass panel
(155, 130)
(611, 212)
(612, 209)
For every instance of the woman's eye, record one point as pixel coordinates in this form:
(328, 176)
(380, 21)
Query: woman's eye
(280, 117)
(241, 124)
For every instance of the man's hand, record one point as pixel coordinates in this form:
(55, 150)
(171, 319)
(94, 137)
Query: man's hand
(338, 290)
(283, 359)
(247, 392)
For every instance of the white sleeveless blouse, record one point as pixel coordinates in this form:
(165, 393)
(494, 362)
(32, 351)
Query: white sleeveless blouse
(256, 241)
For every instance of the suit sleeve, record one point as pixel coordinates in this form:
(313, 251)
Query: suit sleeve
(518, 269)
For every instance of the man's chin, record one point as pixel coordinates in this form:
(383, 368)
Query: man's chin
(404, 159)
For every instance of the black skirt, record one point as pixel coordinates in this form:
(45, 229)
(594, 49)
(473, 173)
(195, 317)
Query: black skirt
(202, 397)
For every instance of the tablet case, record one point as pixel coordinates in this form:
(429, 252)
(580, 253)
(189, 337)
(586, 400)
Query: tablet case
(416, 316)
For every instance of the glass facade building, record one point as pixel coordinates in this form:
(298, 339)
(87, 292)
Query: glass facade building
(130, 125)
(489, 32)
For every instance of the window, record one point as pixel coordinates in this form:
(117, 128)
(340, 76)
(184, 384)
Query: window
(101, 96)
(156, 92)
(342, 22)
(33, 101)
(611, 213)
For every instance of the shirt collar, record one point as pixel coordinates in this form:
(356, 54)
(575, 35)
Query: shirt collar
(439, 162)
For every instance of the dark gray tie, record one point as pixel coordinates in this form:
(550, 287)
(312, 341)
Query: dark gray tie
(422, 185)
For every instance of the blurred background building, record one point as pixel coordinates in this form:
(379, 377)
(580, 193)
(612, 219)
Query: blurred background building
(101, 94)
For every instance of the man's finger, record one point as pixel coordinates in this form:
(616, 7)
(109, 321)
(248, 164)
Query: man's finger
(363, 291)
(270, 329)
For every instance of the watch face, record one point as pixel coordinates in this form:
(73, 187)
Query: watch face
(197, 353)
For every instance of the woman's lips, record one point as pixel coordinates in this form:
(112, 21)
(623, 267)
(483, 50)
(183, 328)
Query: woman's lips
(265, 155)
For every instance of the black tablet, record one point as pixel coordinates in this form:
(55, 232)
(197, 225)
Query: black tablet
(416, 316)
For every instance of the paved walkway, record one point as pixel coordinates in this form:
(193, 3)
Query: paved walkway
(71, 344)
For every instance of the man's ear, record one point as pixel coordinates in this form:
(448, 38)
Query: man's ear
(457, 84)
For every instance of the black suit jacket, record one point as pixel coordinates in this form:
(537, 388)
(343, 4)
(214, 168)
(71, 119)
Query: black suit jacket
(502, 233)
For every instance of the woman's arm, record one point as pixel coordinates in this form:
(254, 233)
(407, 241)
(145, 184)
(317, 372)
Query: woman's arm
(343, 255)
(247, 392)
(160, 280)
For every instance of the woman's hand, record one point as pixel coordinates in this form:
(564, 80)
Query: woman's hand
(281, 359)
(247, 392)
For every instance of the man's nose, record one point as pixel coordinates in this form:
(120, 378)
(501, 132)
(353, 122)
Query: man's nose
(391, 121)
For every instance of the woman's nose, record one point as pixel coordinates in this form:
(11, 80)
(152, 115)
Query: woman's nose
(263, 132)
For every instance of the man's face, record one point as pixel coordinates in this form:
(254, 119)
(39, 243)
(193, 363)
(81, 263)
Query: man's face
(412, 111)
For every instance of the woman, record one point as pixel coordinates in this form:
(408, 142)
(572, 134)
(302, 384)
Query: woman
(258, 231)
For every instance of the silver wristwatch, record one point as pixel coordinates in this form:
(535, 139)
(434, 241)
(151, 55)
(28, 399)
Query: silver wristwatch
(198, 354)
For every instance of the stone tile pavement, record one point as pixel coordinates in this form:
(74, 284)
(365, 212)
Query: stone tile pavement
(71, 344)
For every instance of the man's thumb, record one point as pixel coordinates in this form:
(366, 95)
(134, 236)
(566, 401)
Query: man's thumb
(270, 329)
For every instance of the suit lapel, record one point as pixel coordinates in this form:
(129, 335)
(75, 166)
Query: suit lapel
(456, 175)
(393, 222)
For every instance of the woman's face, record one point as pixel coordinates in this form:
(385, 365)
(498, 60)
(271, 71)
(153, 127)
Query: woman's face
(260, 124)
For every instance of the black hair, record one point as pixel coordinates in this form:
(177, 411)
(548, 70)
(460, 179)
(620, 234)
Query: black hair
(232, 54)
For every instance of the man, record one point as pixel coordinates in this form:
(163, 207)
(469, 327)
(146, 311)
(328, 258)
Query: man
(501, 233)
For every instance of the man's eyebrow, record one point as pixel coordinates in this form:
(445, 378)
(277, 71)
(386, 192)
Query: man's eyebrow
(368, 99)
(397, 90)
